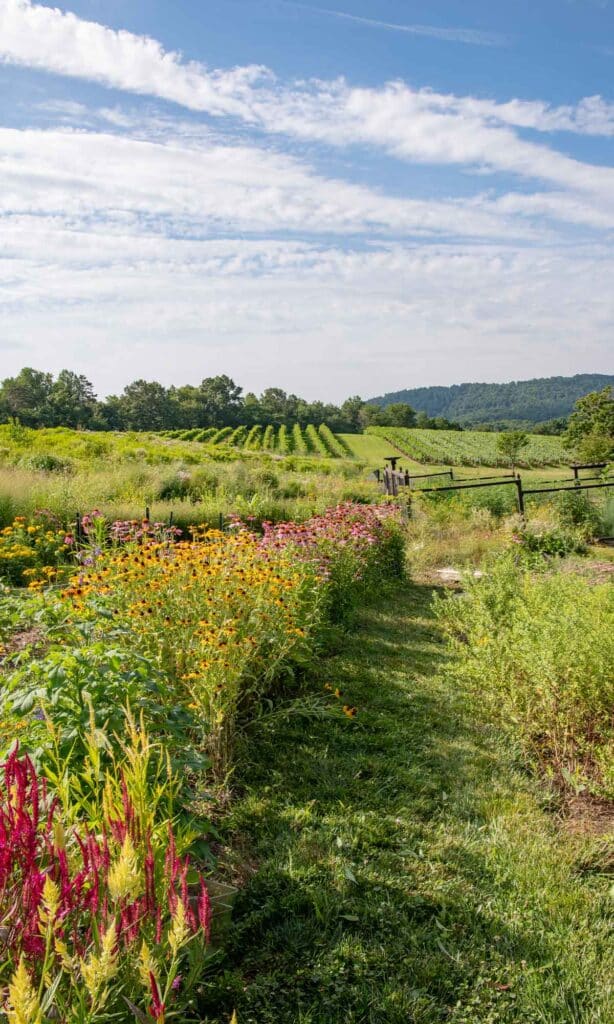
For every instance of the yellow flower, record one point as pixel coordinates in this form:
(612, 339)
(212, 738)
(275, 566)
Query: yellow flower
(125, 881)
(61, 951)
(24, 1007)
(147, 966)
(50, 904)
(179, 932)
(98, 970)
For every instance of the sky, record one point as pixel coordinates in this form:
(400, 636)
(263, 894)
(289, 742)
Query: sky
(343, 198)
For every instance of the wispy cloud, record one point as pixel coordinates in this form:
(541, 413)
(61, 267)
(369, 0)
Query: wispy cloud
(474, 37)
(409, 124)
(174, 187)
(264, 311)
(127, 225)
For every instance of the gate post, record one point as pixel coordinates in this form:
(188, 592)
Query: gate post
(518, 483)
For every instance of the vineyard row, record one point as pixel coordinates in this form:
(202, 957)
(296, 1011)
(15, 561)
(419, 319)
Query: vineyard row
(295, 440)
(470, 447)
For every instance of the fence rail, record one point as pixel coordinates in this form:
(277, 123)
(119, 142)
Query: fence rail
(393, 478)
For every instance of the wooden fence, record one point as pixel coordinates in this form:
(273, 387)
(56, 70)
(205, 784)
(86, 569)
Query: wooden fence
(392, 479)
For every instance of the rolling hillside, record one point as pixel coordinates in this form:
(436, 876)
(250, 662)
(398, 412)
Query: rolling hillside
(532, 401)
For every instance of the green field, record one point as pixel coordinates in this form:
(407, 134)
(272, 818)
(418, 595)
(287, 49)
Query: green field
(368, 448)
(470, 447)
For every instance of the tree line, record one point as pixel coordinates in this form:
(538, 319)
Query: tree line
(516, 404)
(38, 399)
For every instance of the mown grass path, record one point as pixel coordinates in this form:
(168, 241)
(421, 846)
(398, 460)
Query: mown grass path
(403, 868)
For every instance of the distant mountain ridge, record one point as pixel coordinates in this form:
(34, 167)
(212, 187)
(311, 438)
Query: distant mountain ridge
(532, 401)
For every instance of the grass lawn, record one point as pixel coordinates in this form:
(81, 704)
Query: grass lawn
(402, 866)
(373, 449)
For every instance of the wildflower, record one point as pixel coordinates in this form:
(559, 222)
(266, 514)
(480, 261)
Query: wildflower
(50, 904)
(350, 711)
(204, 909)
(98, 970)
(24, 1007)
(125, 882)
(61, 951)
(147, 965)
(157, 1008)
(179, 932)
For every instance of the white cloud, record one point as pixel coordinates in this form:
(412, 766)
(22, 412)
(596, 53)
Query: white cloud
(416, 125)
(47, 38)
(114, 257)
(196, 189)
(591, 116)
(277, 312)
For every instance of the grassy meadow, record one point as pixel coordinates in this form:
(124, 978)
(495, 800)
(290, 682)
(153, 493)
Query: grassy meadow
(344, 760)
(68, 471)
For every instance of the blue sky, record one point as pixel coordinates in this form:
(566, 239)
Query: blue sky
(331, 198)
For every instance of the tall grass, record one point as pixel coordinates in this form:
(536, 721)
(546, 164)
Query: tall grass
(537, 649)
(192, 494)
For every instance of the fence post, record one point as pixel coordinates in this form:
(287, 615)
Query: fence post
(221, 521)
(518, 482)
(451, 474)
(78, 529)
(147, 513)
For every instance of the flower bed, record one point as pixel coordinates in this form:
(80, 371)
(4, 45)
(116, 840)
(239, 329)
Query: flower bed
(145, 664)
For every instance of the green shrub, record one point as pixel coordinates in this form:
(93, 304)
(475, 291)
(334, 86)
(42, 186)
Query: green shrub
(578, 511)
(537, 651)
(557, 542)
(177, 486)
(45, 462)
(267, 478)
(607, 518)
(499, 501)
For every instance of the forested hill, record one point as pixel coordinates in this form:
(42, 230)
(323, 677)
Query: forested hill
(534, 401)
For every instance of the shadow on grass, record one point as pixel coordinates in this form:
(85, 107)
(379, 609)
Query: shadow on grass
(376, 897)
